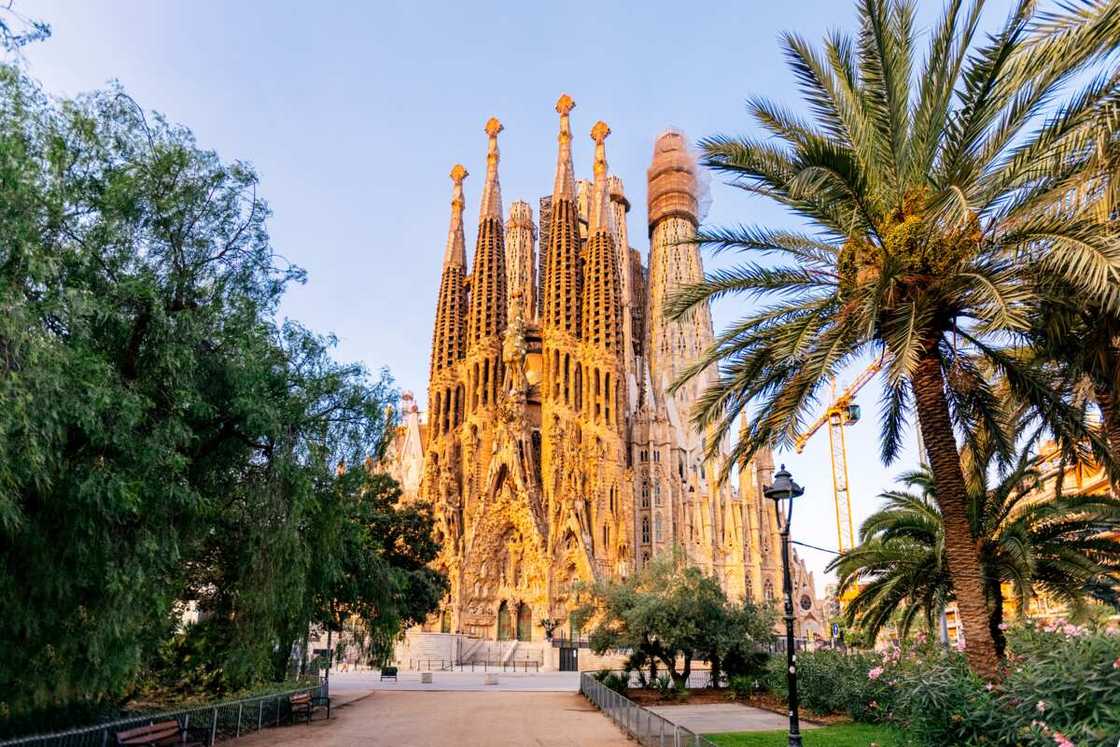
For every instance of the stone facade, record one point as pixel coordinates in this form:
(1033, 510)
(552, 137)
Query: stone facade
(552, 451)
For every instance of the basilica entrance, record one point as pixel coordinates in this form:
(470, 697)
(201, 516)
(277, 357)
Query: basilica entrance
(505, 624)
(524, 622)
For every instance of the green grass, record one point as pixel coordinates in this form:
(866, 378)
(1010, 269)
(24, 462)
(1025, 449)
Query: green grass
(841, 735)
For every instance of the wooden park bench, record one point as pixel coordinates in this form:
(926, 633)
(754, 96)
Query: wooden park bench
(304, 705)
(161, 733)
(387, 672)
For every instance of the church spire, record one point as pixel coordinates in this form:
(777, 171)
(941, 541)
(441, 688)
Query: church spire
(491, 190)
(449, 335)
(487, 318)
(601, 217)
(602, 297)
(560, 256)
(456, 252)
(564, 185)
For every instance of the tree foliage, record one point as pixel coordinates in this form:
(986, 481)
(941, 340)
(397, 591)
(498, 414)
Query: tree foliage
(162, 438)
(672, 613)
(1063, 546)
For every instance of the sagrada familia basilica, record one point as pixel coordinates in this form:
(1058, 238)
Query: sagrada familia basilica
(552, 450)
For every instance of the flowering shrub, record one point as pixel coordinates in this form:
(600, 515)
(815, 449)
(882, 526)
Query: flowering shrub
(1062, 683)
(1062, 688)
(829, 682)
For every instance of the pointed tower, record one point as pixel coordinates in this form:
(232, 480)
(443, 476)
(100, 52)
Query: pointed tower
(521, 257)
(604, 394)
(449, 343)
(620, 206)
(486, 320)
(602, 294)
(561, 283)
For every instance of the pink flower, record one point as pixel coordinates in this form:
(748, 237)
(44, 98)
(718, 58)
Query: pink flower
(1116, 664)
(1003, 626)
(1061, 741)
(989, 687)
(875, 673)
(1040, 706)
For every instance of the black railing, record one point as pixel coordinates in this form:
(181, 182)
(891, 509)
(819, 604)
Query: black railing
(207, 724)
(645, 726)
(433, 664)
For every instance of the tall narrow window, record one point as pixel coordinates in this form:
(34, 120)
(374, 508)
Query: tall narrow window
(645, 530)
(485, 382)
(607, 397)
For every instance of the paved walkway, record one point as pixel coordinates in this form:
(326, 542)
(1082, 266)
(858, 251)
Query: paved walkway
(723, 717)
(469, 719)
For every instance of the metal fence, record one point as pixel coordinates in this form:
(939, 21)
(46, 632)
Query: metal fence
(207, 724)
(697, 678)
(431, 664)
(642, 724)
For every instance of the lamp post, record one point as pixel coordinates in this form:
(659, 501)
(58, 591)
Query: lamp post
(783, 491)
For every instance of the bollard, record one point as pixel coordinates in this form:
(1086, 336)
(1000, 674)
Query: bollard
(240, 707)
(214, 725)
(260, 713)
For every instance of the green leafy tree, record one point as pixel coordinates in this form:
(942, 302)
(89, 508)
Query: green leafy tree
(672, 613)
(162, 439)
(375, 571)
(927, 184)
(1029, 539)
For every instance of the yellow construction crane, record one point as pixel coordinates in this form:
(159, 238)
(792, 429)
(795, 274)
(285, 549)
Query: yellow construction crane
(843, 411)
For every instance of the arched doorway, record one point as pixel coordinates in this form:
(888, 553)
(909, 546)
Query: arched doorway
(524, 622)
(505, 626)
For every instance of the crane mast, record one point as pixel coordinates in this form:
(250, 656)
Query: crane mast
(840, 413)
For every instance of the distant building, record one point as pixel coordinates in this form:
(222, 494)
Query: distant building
(552, 450)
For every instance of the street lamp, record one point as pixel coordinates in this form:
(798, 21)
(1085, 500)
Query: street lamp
(783, 491)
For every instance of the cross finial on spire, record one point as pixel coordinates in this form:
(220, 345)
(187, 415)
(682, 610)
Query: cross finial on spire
(565, 104)
(600, 131)
(459, 173)
(493, 127)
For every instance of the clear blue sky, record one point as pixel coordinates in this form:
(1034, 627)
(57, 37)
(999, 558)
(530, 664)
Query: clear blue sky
(354, 112)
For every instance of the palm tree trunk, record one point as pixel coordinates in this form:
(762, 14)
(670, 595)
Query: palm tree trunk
(1110, 418)
(995, 620)
(961, 549)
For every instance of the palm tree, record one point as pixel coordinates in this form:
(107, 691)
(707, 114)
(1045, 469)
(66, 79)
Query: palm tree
(927, 197)
(1029, 539)
(1082, 336)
